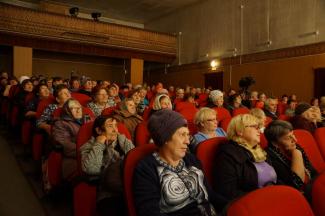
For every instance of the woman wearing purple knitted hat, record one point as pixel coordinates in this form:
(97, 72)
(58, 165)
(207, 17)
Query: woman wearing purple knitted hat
(170, 181)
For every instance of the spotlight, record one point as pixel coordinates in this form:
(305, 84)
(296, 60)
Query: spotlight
(96, 15)
(214, 64)
(74, 11)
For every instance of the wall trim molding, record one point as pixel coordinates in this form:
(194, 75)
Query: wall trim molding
(35, 24)
(284, 53)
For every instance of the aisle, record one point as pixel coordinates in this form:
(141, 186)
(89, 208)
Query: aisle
(16, 195)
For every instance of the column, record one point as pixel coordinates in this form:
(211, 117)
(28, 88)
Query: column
(136, 71)
(22, 61)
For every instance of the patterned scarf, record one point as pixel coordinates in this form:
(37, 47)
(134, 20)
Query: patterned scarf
(257, 152)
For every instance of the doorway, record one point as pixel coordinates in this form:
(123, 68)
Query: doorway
(319, 89)
(214, 80)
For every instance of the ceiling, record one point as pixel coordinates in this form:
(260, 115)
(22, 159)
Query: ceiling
(138, 11)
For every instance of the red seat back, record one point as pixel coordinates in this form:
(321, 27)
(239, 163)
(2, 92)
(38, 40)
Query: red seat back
(271, 201)
(318, 195)
(284, 117)
(206, 152)
(109, 110)
(241, 110)
(224, 123)
(82, 98)
(42, 105)
(84, 134)
(142, 135)
(320, 140)
(222, 113)
(263, 141)
(308, 143)
(130, 162)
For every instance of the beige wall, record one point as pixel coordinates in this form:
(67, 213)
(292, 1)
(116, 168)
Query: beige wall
(294, 75)
(214, 26)
(64, 64)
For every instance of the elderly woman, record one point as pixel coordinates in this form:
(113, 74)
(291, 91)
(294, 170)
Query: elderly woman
(100, 100)
(242, 165)
(288, 158)
(170, 181)
(127, 114)
(103, 155)
(65, 131)
(216, 98)
(161, 101)
(207, 124)
(261, 117)
(306, 117)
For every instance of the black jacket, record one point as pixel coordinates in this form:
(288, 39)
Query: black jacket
(271, 115)
(282, 168)
(147, 189)
(234, 171)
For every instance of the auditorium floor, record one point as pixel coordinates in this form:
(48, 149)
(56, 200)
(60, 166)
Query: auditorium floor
(20, 183)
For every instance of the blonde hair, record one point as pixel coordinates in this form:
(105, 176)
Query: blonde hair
(259, 114)
(238, 124)
(202, 115)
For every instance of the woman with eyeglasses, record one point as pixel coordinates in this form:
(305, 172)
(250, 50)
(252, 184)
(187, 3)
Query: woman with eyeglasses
(64, 133)
(207, 124)
(288, 158)
(100, 100)
(241, 165)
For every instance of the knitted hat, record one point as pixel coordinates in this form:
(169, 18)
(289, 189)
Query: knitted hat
(215, 94)
(163, 124)
(301, 108)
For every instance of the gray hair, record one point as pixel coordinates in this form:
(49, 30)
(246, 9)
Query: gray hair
(277, 129)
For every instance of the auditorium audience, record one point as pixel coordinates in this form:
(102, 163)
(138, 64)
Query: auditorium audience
(306, 117)
(170, 181)
(270, 108)
(288, 158)
(261, 117)
(103, 156)
(100, 100)
(127, 114)
(64, 133)
(290, 111)
(241, 165)
(216, 99)
(61, 94)
(207, 124)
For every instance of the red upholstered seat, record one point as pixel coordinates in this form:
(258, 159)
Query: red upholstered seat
(271, 201)
(82, 98)
(320, 140)
(281, 108)
(241, 110)
(206, 152)
(308, 143)
(109, 110)
(263, 142)
(142, 135)
(318, 196)
(130, 162)
(224, 123)
(284, 117)
(222, 113)
(84, 199)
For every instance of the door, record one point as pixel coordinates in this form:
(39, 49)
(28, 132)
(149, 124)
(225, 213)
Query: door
(319, 87)
(214, 80)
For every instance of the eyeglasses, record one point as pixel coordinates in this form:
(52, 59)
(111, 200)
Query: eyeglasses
(257, 127)
(212, 120)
